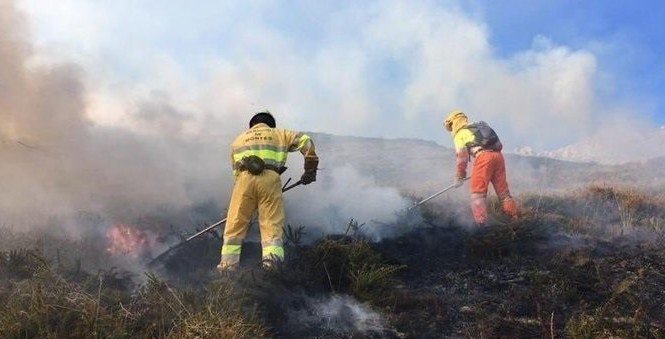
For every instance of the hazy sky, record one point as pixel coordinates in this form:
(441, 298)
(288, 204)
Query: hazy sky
(544, 73)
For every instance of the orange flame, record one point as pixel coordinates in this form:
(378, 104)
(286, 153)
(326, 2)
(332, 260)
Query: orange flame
(127, 240)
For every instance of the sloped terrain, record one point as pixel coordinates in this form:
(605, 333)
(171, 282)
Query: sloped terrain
(589, 263)
(414, 166)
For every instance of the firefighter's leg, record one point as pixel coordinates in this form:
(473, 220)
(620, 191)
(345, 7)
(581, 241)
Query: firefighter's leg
(242, 206)
(480, 178)
(500, 184)
(271, 216)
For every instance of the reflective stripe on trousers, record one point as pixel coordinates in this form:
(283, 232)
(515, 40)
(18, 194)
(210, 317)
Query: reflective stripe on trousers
(231, 252)
(479, 207)
(273, 250)
(252, 192)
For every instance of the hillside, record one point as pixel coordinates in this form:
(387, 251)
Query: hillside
(416, 166)
(587, 264)
(615, 146)
(586, 259)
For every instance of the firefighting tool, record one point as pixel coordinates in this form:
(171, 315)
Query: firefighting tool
(406, 213)
(160, 257)
(435, 195)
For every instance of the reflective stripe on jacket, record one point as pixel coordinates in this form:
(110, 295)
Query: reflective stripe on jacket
(270, 144)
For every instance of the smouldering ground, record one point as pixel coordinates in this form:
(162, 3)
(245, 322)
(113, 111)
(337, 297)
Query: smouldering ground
(589, 263)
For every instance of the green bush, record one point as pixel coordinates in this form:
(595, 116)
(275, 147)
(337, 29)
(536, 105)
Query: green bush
(352, 266)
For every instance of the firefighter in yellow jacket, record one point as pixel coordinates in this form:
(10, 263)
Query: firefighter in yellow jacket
(258, 157)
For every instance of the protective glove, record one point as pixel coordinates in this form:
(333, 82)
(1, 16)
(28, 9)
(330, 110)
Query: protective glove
(308, 177)
(311, 165)
(459, 180)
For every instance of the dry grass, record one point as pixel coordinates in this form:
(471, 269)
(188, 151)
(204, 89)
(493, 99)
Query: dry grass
(41, 303)
(353, 266)
(571, 267)
(339, 264)
(44, 300)
(584, 264)
(603, 211)
(633, 308)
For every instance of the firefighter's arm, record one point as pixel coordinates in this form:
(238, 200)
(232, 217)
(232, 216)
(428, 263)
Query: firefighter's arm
(307, 149)
(461, 139)
(303, 143)
(461, 164)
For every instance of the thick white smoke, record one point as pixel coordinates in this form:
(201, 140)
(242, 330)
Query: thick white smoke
(75, 143)
(63, 169)
(57, 163)
(341, 194)
(364, 69)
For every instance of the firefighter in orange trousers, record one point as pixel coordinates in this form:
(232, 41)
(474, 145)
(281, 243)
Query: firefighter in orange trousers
(479, 141)
(258, 156)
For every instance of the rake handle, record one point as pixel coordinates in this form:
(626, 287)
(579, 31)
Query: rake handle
(211, 227)
(435, 195)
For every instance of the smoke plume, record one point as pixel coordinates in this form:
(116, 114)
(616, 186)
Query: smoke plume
(62, 169)
(57, 163)
(343, 193)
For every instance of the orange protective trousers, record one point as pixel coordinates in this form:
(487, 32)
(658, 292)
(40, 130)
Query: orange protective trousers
(489, 167)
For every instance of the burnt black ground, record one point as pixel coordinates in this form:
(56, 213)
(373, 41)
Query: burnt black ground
(461, 283)
(513, 281)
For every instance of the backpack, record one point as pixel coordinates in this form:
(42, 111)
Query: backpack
(484, 136)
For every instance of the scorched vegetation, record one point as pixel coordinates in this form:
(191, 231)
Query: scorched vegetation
(589, 263)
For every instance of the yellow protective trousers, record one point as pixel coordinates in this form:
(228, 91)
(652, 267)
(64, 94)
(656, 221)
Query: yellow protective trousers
(252, 192)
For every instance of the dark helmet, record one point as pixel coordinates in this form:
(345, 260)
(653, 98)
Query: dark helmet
(262, 117)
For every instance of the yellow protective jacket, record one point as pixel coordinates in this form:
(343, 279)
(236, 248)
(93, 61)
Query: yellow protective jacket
(270, 144)
(461, 138)
(262, 191)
